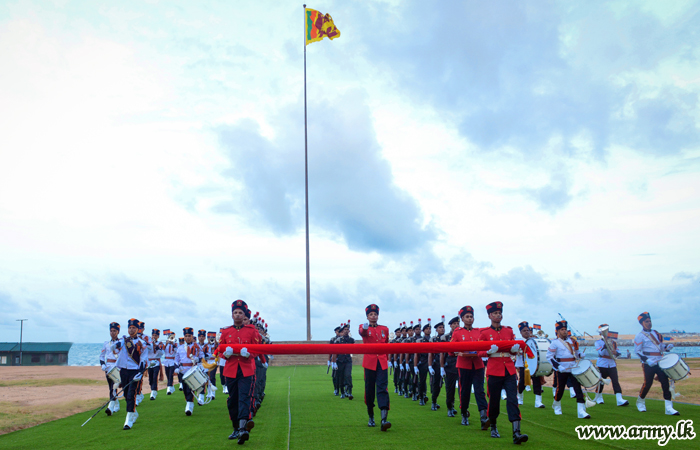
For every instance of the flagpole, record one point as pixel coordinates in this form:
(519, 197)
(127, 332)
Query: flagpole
(306, 199)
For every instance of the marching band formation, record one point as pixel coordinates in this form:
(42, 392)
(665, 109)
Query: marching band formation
(125, 360)
(506, 374)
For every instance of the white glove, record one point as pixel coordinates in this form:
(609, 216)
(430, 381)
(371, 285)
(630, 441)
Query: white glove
(228, 352)
(138, 376)
(265, 365)
(442, 372)
(405, 367)
(669, 347)
(515, 348)
(329, 363)
(431, 370)
(194, 360)
(244, 352)
(177, 371)
(335, 366)
(365, 326)
(415, 369)
(493, 349)
(104, 368)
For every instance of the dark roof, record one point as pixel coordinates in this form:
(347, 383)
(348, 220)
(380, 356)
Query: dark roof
(37, 347)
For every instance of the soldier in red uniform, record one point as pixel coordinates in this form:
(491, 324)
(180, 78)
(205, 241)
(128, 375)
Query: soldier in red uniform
(240, 371)
(470, 368)
(376, 373)
(500, 373)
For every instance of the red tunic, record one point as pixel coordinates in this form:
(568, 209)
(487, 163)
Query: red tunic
(499, 366)
(378, 334)
(468, 362)
(247, 334)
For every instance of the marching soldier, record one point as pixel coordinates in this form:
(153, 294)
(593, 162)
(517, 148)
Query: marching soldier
(343, 362)
(240, 371)
(155, 352)
(649, 346)
(471, 369)
(261, 365)
(139, 387)
(131, 361)
(608, 368)
(208, 349)
(393, 359)
(448, 370)
(436, 378)
(500, 373)
(563, 353)
(333, 366)
(108, 361)
(169, 351)
(420, 366)
(376, 375)
(222, 363)
(188, 356)
(408, 365)
(526, 333)
(202, 342)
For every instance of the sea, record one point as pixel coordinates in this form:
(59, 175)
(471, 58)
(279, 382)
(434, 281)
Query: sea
(89, 354)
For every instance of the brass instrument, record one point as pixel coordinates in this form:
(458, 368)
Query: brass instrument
(603, 330)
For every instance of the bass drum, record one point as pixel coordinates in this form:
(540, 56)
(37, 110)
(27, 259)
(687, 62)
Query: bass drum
(539, 365)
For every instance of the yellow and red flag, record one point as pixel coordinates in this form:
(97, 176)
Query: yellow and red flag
(319, 25)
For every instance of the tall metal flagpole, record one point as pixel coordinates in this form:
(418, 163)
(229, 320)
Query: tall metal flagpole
(306, 199)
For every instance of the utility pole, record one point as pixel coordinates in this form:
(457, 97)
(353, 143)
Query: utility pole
(21, 329)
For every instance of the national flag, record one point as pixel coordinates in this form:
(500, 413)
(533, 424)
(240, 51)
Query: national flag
(319, 25)
(612, 334)
(536, 326)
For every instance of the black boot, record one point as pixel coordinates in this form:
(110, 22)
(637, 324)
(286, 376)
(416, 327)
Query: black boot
(485, 422)
(335, 392)
(422, 401)
(433, 407)
(494, 431)
(415, 397)
(517, 437)
(450, 412)
(243, 434)
(465, 419)
(370, 413)
(350, 397)
(234, 435)
(342, 395)
(385, 422)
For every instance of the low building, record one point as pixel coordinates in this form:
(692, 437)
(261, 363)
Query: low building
(35, 353)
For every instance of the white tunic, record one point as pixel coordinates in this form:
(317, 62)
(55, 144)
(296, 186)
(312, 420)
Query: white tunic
(124, 361)
(169, 354)
(644, 344)
(155, 352)
(108, 355)
(602, 351)
(559, 350)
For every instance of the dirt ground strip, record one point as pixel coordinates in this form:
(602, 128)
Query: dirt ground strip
(26, 406)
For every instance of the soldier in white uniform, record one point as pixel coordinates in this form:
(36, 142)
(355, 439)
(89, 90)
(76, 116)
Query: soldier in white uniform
(208, 350)
(563, 353)
(108, 361)
(649, 346)
(188, 356)
(202, 338)
(169, 350)
(131, 361)
(526, 333)
(155, 353)
(608, 368)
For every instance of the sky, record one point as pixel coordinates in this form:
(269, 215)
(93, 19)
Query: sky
(541, 154)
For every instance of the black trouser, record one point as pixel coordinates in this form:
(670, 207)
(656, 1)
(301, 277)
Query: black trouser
(649, 373)
(189, 394)
(260, 379)
(110, 383)
(129, 388)
(169, 374)
(153, 373)
(376, 379)
(345, 376)
(451, 377)
(409, 377)
(536, 382)
(510, 384)
(222, 378)
(212, 376)
(421, 385)
(334, 375)
(467, 379)
(562, 379)
(240, 392)
(436, 383)
(179, 377)
(609, 372)
(397, 380)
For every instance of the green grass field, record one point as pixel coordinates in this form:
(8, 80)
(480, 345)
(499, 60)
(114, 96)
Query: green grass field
(322, 421)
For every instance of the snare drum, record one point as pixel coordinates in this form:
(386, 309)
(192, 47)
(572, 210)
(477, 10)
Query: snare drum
(195, 379)
(539, 365)
(674, 367)
(586, 373)
(115, 376)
